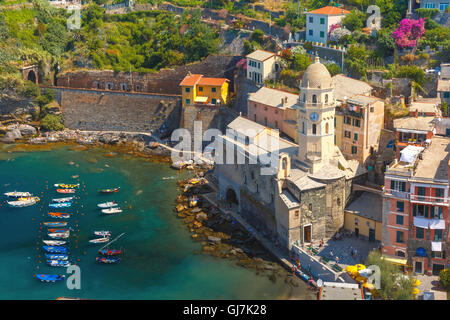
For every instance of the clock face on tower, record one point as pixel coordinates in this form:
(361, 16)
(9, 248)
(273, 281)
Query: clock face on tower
(314, 116)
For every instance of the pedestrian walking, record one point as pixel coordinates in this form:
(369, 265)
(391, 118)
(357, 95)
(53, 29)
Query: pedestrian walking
(331, 254)
(337, 259)
(351, 251)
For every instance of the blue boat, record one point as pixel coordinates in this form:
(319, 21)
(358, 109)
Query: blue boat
(108, 260)
(59, 256)
(55, 249)
(58, 263)
(60, 205)
(50, 277)
(55, 224)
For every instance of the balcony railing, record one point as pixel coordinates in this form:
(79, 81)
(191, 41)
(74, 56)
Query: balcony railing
(429, 199)
(396, 193)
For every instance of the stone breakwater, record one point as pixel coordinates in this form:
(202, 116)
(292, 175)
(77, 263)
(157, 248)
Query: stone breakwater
(222, 237)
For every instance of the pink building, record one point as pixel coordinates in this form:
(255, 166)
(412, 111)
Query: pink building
(275, 109)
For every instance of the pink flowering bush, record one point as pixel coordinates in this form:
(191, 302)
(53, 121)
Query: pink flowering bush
(242, 63)
(408, 32)
(333, 27)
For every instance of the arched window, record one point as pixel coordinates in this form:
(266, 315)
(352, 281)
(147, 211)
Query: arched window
(326, 128)
(326, 98)
(314, 129)
(314, 98)
(400, 253)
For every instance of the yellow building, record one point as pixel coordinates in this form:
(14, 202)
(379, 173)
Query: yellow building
(363, 216)
(196, 89)
(338, 125)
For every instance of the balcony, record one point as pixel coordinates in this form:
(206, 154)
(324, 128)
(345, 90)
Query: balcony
(396, 194)
(429, 200)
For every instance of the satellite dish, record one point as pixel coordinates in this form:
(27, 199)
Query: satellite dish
(319, 283)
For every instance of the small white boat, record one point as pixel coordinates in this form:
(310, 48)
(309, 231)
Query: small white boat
(109, 204)
(54, 242)
(111, 210)
(17, 194)
(59, 200)
(58, 263)
(59, 235)
(99, 240)
(103, 233)
(22, 203)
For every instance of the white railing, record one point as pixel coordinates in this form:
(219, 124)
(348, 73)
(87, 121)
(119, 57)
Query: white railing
(429, 199)
(396, 193)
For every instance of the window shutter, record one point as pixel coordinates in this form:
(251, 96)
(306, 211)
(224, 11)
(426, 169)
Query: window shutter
(443, 254)
(427, 212)
(414, 210)
(432, 254)
(441, 215)
(392, 185)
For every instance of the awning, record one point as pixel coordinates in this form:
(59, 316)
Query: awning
(436, 246)
(437, 224)
(421, 222)
(410, 153)
(201, 99)
(400, 262)
(421, 252)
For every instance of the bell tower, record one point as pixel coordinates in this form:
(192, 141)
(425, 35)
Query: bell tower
(315, 117)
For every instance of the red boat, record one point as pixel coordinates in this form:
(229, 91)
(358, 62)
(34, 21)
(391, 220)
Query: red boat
(110, 252)
(65, 190)
(109, 190)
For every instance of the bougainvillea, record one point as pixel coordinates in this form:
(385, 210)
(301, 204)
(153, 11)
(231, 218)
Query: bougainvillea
(333, 27)
(242, 64)
(338, 33)
(408, 32)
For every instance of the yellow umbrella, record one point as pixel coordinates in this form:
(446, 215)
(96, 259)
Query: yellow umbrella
(415, 291)
(368, 286)
(416, 282)
(360, 279)
(351, 269)
(360, 267)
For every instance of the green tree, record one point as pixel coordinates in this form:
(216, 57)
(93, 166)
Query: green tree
(257, 36)
(301, 62)
(394, 284)
(52, 122)
(444, 279)
(444, 108)
(414, 73)
(354, 20)
(333, 69)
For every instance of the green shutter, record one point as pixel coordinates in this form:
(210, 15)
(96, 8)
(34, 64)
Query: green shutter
(432, 254)
(441, 214)
(443, 254)
(427, 212)
(414, 210)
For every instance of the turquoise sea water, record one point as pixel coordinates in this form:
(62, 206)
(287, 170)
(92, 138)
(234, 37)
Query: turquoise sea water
(159, 260)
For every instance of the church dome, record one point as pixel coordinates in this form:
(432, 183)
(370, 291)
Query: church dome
(316, 76)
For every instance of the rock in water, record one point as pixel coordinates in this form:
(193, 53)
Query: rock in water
(12, 135)
(214, 239)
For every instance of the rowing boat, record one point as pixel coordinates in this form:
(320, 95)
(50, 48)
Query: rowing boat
(108, 204)
(50, 277)
(67, 186)
(57, 230)
(103, 233)
(59, 235)
(55, 249)
(67, 199)
(56, 256)
(109, 190)
(110, 252)
(58, 263)
(17, 194)
(99, 240)
(59, 215)
(60, 205)
(37, 199)
(112, 210)
(55, 224)
(21, 204)
(108, 260)
(54, 242)
(65, 190)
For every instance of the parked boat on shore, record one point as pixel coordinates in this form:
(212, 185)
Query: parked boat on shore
(50, 277)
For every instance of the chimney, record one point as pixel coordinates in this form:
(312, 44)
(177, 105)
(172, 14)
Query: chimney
(285, 100)
(282, 102)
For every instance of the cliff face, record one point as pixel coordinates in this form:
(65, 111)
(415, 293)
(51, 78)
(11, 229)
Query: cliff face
(16, 106)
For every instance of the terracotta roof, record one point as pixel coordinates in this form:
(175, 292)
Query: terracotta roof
(330, 11)
(212, 81)
(190, 80)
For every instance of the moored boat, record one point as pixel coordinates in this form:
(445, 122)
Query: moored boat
(50, 277)
(109, 190)
(60, 205)
(57, 230)
(55, 224)
(103, 233)
(59, 235)
(54, 242)
(55, 249)
(66, 186)
(108, 260)
(17, 194)
(59, 215)
(67, 199)
(108, 204)
(21, 204)
(112, 210)
(110, 252)
(56, 256)
(37, 199)
(58, 263)
(99, 240)
(65, 190)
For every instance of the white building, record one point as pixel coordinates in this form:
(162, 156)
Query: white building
(261, 65)
(435, 4)
(318, 22)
